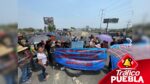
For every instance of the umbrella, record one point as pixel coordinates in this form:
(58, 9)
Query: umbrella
(38, 38)
(105, 37)
(51, 34)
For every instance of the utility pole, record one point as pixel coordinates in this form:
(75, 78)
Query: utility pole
(107, 28)
(102, 13)
(128, 24)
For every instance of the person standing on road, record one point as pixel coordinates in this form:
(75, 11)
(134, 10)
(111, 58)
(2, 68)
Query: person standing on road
(48, 47)
(42, 61)
(24, 58)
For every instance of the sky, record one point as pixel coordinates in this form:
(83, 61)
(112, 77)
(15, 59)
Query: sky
(8, 11)
(74, 13)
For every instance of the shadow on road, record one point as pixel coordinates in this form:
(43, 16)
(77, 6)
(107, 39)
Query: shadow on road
(40, 77)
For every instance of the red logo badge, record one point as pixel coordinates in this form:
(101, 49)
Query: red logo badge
(127, 62)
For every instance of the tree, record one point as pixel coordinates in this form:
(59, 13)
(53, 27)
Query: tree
(51, 28)
(30, 29)
(73, 28)
(40, 30)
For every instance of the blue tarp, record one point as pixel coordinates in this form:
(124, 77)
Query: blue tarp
(81, 58)
(118, 45)
(114, 61)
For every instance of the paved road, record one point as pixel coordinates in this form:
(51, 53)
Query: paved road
(2, 81)
(60, 77)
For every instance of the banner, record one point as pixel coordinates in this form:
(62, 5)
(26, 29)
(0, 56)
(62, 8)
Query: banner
(78, 44)
(81, 58)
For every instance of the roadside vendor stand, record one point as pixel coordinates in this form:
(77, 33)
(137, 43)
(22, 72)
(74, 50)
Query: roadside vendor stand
(138, 52)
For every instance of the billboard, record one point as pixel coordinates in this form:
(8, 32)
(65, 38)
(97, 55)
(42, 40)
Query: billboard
(111, 20)
(48, 20)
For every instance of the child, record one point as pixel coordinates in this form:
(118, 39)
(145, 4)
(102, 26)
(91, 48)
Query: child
(42, 61)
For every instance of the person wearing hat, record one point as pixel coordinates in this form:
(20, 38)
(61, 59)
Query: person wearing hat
(24, 57)
(5, 50)
(8, 68)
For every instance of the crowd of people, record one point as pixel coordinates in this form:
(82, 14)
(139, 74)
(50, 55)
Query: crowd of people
(43, 51)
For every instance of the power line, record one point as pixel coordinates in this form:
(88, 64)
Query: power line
(125, 10)
(112, 3)
(121, 13)
(120, 5)
(121, 9)
(116, 3)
